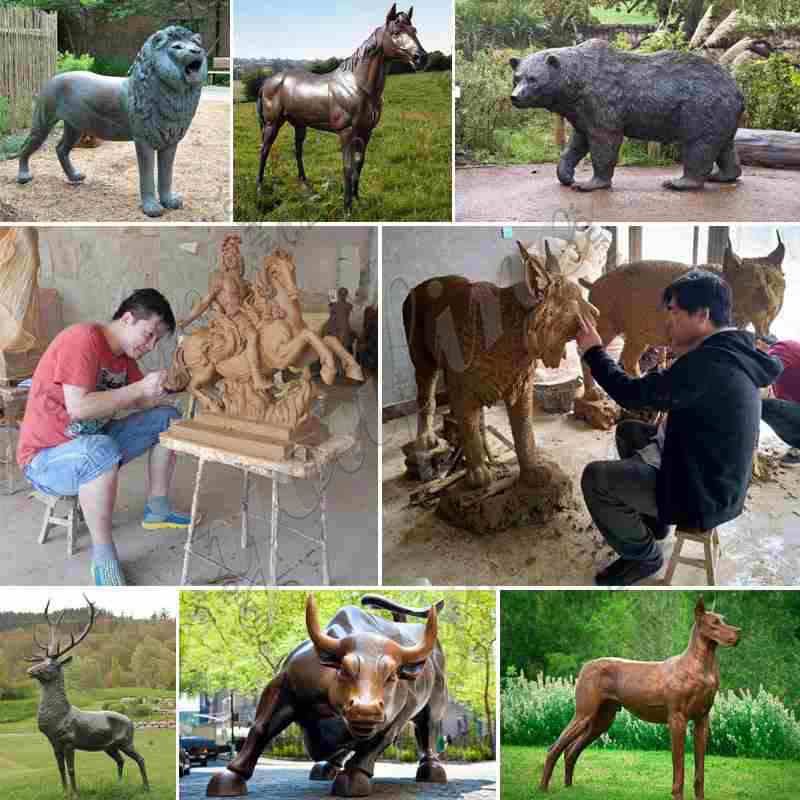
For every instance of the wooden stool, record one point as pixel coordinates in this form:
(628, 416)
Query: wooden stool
(711, 548)
(71, 521)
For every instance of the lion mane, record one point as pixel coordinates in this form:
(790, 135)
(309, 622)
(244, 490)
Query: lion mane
(161, 102)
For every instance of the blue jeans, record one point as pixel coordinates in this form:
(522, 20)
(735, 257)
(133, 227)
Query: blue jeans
(63, 469)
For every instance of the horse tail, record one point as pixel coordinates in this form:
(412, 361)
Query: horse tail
(44, 119)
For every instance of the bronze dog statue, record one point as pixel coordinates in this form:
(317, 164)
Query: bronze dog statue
(670, 692)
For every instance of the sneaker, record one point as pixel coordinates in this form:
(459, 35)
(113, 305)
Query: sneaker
(174, 519)
(791, 456)
(612, 570)
(107, 573)
(630, 572)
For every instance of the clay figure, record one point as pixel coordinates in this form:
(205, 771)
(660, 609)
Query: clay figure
(68, 728)
(352, 687)
(629, 299)
(487, 341)
(153, 107)
(670, 692)
(346, 102)
(606, 94)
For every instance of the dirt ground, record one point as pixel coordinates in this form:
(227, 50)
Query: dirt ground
(532, 192)
(110, 192)
(761, 547)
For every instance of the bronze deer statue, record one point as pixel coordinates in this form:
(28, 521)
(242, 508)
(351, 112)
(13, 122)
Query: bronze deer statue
(347, 101)
(68, 728)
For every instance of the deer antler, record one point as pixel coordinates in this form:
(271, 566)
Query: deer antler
(73, 641)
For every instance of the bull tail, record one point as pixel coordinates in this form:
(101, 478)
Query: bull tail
(399, 613)
(586, 284)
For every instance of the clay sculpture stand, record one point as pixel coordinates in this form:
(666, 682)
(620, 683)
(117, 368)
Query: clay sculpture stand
(12, 410)
(602, 414)
(278, 470)
(507, 502)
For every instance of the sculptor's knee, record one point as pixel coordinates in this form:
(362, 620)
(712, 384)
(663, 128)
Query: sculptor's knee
(163, 416)
(591, 477)
(103, 453)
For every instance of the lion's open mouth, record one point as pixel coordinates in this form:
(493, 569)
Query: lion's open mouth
(193, 68)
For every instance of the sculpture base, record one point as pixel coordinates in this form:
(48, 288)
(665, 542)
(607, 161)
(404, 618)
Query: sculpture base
(508, 502)
(250, 438)
(226, 784)
(601, 414)
(426, 465)
(16, 367)
(431, 772)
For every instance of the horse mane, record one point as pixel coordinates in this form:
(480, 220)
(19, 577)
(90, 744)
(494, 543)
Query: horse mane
(368, 47)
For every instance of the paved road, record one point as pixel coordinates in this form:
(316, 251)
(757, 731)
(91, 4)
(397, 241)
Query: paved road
(531, 193)
(288, 780)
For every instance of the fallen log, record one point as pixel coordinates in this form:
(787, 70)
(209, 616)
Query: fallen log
(767, 148)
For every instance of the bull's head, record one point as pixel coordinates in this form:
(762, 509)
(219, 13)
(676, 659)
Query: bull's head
(556, 303)
(368, 670)
(731, 262)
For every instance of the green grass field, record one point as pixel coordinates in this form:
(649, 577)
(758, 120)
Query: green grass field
(406, 174)
(29, 770)
(636, 775)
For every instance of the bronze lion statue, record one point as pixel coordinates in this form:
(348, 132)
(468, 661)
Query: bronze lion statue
(153, 106)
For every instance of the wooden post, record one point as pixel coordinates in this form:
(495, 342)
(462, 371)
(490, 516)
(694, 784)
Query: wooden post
(717, 242)
(635, 243)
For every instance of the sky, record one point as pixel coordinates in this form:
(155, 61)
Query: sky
(311, 29)
(136, 602)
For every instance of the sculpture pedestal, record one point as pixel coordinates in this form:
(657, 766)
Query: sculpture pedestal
(601, 414)
(509, 503)
(249, 437)
(15, 367)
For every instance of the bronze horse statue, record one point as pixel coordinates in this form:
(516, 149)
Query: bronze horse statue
(347, 101)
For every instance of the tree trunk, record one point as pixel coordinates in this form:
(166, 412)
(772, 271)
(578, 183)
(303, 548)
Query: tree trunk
(768, 148)
(486, 703)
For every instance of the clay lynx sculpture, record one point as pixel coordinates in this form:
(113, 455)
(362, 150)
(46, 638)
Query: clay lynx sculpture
(68, 728)
(670, 692)
(153, 107)
(606, 94)
(352, 688)
(629, 299)
(487, 341)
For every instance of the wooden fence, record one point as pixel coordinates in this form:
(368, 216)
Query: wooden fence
(28, 52)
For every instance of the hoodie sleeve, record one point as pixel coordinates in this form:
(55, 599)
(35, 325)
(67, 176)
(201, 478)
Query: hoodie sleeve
(680, 386)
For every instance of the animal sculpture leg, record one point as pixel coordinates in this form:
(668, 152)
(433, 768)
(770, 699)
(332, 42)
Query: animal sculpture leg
(601, 722)
(120, 761)
(467, 410)
(701, 731)
(328, 770)
(299, 138)
(677, 734)
(275, 712)
(43, 123)
(69, 757)
(604, 145)
(575, 151)
(129, 751)
(520, 415)
(68, 141)
(632, 351)
(729, 168)
(360, 154)
(146, 157)
(430, 769)
(268, 135)
(698, 161)
(348, 166)
(351, 367)
(59, 754)
(356, 778)
(166, 159)
(579, 724)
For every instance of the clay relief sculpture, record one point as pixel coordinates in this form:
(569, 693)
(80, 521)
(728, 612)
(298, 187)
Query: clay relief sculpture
(487, 341)
(21, 344)
(234, 366)
(352, 687)
(153, 107)
(68, 728)
(629, 299)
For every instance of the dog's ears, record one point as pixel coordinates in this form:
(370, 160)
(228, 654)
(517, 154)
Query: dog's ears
(700, 607)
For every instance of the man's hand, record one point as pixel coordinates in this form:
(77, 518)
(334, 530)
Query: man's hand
(151, 387)
(587, 335)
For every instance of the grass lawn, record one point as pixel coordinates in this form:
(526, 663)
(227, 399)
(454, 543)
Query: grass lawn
(636, 775)
(29, 768)
(619, 16)
(406, 174)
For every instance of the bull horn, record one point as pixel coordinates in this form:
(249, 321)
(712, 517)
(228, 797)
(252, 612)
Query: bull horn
(541, 277)
(413, 655)
(776, 256)
(551, 264)
(323, 642)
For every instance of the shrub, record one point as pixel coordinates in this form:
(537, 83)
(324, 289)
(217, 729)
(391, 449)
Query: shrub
(251, 83)
(622, 41)
(5, 123)
(69, 63)
(116, 66)
(664, 39)
(771, 91)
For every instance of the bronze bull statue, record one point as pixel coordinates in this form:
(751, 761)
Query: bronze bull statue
(352, 687)
(487, 341)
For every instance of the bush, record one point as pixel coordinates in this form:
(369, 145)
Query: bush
(251, 83)
(534, 712)
(771, 91)
(69, 63)
(5, 123)
(664, 39)
(116, 66)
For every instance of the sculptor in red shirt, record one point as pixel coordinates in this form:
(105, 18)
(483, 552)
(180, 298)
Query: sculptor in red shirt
(70, 442)
(782, 412)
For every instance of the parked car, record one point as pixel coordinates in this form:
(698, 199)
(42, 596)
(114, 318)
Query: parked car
(184, 763)
(200, 749)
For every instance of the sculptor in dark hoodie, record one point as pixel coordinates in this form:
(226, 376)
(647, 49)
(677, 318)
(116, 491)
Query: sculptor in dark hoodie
(712, 396)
